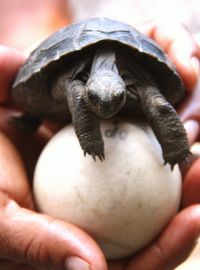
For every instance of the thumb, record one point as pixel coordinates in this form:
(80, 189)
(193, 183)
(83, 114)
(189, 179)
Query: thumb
(46, 243)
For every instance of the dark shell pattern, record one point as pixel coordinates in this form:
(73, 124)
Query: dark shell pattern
(79, 36)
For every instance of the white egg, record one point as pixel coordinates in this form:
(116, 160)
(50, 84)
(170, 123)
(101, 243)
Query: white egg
(123, 202)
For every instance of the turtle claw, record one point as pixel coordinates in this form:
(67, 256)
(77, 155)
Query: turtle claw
(171, 164)
(102, 157)
(94, 155)
(184, 158)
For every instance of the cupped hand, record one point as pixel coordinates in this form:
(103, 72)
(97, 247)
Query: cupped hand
(179, 238)
(29, 240)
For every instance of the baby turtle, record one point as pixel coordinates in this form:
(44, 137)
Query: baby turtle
(94, 69)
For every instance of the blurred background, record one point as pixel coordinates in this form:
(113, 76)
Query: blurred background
(139, 12)
(23, 22)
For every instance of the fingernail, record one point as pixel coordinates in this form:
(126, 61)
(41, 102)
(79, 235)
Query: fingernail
(195, 63)
(192, 128)
(75, 263)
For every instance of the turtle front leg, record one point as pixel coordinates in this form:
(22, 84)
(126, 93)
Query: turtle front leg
(86, 123)
(166, 125)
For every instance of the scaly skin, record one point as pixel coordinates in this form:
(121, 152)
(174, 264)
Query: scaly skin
(100, 92)
(86, 124)
(142, 87)
(166, 125)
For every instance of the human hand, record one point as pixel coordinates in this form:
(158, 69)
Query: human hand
(178, 239)
(29, 240)
(162, 254)
(184, 52)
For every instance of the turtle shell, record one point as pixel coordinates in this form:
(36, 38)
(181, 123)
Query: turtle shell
(79, 37)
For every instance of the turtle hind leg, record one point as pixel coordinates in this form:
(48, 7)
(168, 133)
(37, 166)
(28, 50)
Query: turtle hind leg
(26, 122)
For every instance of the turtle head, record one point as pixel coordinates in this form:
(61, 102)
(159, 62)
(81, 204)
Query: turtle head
(105, 93)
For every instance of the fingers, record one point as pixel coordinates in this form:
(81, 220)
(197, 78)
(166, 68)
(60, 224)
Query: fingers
(192, 129)
(46, 243)
(181, 47)
(174, 244)
(191, 185)
(10, 61)
(31, 238)
(184, 51)
(189, 112)
(13, 179)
